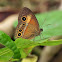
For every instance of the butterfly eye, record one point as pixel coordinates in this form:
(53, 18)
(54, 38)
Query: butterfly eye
(23, 18)
(19, 34)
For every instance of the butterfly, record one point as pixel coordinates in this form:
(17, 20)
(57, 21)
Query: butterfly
(28, 26)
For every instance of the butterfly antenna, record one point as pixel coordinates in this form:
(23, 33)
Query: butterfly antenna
(43, 24)
(41, 28)
(44, 21)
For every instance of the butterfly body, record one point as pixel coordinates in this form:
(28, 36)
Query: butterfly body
(28, 26)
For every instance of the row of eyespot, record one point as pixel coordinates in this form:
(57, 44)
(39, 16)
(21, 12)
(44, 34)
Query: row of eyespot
(23, 18)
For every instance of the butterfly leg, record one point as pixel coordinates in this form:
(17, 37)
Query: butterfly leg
(40, 37)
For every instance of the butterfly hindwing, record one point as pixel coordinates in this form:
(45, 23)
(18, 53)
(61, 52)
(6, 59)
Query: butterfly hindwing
(28, 26)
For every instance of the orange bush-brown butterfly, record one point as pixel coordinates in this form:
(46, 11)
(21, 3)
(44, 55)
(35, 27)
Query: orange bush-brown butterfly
(28, 26)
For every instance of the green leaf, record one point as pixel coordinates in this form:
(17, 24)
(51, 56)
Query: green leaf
(5, 54)
(6, 41)
(52, 42)
(51, 22)
(25, 46)
(24, 43)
